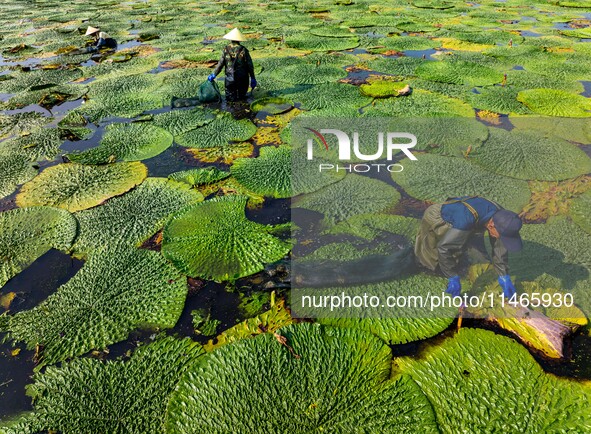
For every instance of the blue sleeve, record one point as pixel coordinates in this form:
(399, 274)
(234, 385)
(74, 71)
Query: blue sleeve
(100, 43)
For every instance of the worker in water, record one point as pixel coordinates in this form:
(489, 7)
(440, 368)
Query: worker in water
(101, 39)
(447, 230)
(238, 63)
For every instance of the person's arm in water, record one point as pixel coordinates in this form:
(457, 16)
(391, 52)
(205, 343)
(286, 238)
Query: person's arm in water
(218, 67)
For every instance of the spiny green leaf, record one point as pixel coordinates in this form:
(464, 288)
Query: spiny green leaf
(27, 233)
(354, 194)
(556, 103)
(76, 187)
(482, 382)
(218, 133)
(133, 217)
(195, 177)
(435, 178)
(115, 396)
(215, 240)
(328, 379)
(115, 292)
(127, 142)
(530, 155)
(15, 169)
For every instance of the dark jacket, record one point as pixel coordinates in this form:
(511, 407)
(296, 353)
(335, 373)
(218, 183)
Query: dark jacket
(468, 217)
(241, 69)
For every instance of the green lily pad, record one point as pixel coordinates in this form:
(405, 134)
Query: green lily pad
(218, 133)
(132, 218)
(321, 43)
(552, 102)
(502, 387)
(178, 122)
(307, 73)
(355, 392)
(354, 194)
(558, 248)
(576, 130)
(196, 177)
(382, 87)
(369, 226)
(459, 72)
(28, 233)
(75, 187)
(273, 106)
(270, 174)
(435, 178)
(123, 96)
(446, 136)
(115, 292)
(214, 240)
(409, 324)
(126, 142)
(421, 103)
(15, 169)
(40, 144)
(581, 210)
(129, 395)
(499, 99)
(21, 123)
(330, 96)
(531, 155)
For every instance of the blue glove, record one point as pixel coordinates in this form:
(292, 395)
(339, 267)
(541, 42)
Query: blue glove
(454, 286)
(211, 77)
(507, 285)
(253, 83)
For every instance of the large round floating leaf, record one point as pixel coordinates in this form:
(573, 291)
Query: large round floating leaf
(126, 96)
(219, 132)
(272, 106)
(115, 396)
(482, 382)
(326, 379)
(269, 174)
(530, 155)
(177, 122)
(15, 169)
(446, 136)
(115, 292)
(459, 72)
(410, 323)
(382, 87)
(435, 178)
(421, 103)
(133, 217)
(215, 240)
(369, 226)
(76, 187)
(580, 211)
(127, 142)
(556, 103)
(558, 248)
(196, 177)
(27, 233)
(306, 73)
(354, 194)
(40, 144)
(330, 96)
(311, 42)
(499, 100)
(21, 123)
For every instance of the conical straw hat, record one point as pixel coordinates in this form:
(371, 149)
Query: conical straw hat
(234, 35)
(91, 30)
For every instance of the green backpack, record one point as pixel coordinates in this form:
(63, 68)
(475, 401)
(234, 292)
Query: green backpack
(209, 92)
